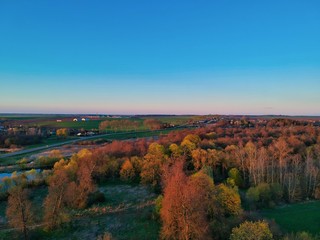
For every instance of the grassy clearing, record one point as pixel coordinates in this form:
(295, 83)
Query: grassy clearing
(125, 194)
(129, 223)
(132, 224)
(296, 217)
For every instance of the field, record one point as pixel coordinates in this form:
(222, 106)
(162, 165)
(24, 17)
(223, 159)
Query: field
(296, 217)
(67, 121)
(94, 124)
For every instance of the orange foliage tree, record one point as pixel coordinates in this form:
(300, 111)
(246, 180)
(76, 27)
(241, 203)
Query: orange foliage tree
(127, 172)
(183, 213)
(56, 200)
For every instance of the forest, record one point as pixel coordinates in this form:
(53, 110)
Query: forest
(209, 182)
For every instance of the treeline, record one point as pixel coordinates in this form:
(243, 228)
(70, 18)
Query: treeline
(129, 125)
(13, 141)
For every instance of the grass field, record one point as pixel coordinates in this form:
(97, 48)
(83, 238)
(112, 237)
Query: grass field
(296, 217)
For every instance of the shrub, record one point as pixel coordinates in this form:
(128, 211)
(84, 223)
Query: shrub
(252, 231)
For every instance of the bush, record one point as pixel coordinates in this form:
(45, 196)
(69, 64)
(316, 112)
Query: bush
(157, 207)
(252, 231)
(264, 195)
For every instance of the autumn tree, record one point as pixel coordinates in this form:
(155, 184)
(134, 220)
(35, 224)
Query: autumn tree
(228, 200)
(78, 190)
(252, 231)
(183, 213)
(56, 201)
(190, 143)
(127, 172)
(200, 158)
(175, 150)
(152, 165)
(19, 210)
(281, 150)
(204, 182)
(62, 132)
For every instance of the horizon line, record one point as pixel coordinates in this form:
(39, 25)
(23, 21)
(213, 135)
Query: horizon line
(162, 114)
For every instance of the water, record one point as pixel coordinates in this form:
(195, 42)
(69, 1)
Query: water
(2, 175)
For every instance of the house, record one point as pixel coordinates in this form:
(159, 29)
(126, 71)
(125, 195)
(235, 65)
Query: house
(59, 120)
(75, 120)
(84, 119)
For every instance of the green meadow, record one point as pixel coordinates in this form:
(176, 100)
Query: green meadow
(296, 217)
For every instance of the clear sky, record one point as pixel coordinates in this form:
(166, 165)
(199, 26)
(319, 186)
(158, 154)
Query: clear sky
(225, 57)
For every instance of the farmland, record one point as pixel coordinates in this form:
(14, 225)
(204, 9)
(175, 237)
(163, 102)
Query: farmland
(89, 124)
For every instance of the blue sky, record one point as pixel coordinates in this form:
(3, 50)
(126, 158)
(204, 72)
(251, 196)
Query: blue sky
(225, 57)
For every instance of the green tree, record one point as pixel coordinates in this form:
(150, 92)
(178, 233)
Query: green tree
(235, 176)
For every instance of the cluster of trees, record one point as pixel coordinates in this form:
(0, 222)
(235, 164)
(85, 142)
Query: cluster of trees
(127, 125)
(283, 161)
(13, 141)
(69, 186)
(192, 206)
